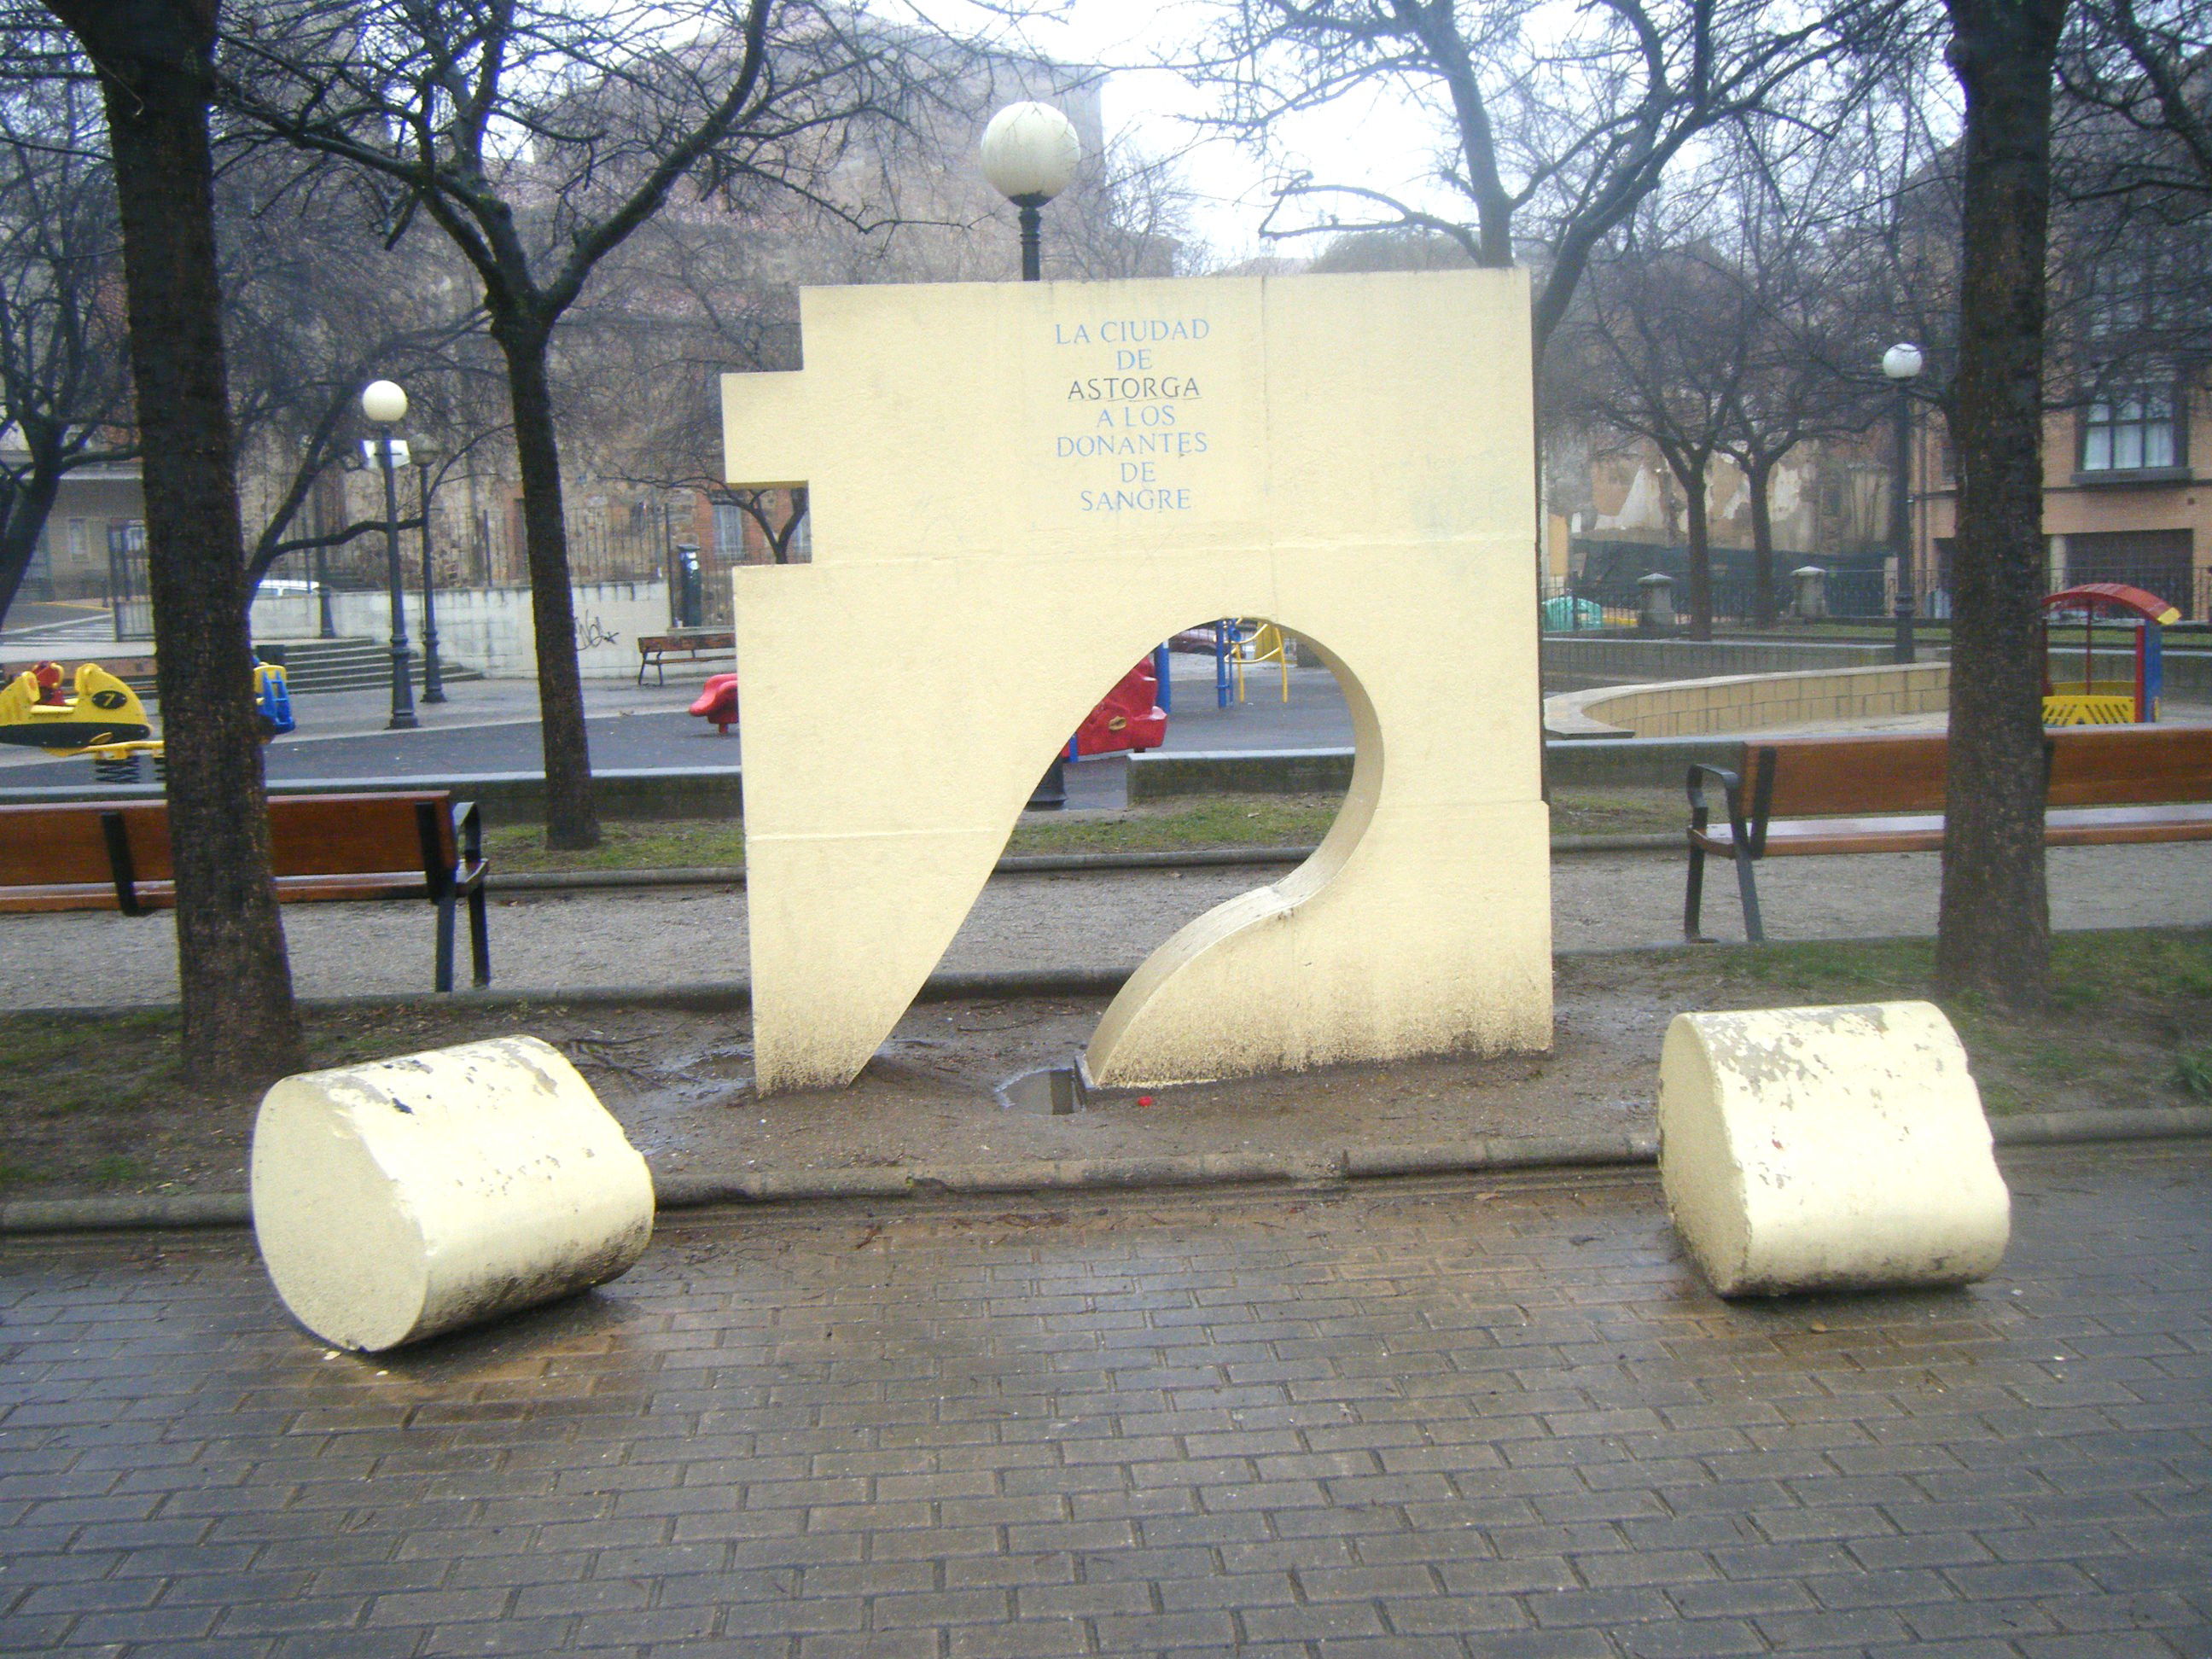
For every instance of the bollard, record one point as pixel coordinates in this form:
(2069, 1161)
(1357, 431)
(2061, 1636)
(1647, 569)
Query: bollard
(1812, 582)
(1822, 1149)
(1656, 612)
(396, 1201)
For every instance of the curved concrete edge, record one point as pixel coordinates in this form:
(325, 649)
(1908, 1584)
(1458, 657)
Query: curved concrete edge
(2146, 1123)
(683, 1190)
(1022, 864)
(1732, 704)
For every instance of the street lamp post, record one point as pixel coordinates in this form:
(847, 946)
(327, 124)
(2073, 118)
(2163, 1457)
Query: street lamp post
(386, 406)
(434, 684)
(1030, 156)
(1901, 364)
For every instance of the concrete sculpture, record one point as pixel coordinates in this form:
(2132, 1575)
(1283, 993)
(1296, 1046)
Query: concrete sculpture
(396, 1201)
(1088, 468)
(1822, 1149)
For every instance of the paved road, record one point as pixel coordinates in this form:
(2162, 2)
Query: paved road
(491, 727)
(1493, 1418)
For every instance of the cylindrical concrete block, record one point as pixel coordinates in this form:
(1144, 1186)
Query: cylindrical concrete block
(1822, 1149)
(396, 1201)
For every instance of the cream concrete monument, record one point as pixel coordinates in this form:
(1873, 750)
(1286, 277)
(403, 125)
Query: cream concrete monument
(1017, 491)
(1822, 1149)
(398, 1199)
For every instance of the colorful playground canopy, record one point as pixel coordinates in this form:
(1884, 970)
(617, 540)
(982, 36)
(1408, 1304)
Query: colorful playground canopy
(2112, 599)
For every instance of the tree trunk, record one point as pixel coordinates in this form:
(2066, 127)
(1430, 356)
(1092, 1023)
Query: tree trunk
(1759, 476)
(1701, 550)
(571, 818)
(27, 507)
(154, 61)
(1994, 933)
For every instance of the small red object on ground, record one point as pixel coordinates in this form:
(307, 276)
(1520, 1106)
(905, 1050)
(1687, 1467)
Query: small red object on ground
(1129, 717)
(719, 702)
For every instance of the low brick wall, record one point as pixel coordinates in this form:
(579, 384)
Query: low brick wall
(1744, 702)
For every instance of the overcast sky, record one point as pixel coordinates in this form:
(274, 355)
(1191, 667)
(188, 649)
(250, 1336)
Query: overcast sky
(1388, 145)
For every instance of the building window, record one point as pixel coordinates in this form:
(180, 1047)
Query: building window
(730, 521)
(2132, 431)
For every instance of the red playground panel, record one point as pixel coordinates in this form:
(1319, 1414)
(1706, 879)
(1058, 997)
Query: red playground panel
(719, 702)
(1129, 717)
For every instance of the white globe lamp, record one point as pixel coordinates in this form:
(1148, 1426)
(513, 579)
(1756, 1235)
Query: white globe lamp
(384, 402)
(1030, 152)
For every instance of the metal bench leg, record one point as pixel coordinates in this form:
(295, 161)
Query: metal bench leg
(1746, 886)
(479, 938)
(1693, 897)
(445, 974)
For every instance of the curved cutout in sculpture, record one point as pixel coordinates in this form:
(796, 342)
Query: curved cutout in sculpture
(1099, 466)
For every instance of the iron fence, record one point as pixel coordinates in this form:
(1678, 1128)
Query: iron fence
(1855, 592)
(486, 550)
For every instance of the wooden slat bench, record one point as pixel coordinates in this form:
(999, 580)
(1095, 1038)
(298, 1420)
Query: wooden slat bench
(653, 650)
(114, 855)
(1797, 797)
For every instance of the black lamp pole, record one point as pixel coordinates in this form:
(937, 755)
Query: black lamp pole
(403, 692)
(1051, 794)
(1900, 525)
(433, 687)
(1032, 236)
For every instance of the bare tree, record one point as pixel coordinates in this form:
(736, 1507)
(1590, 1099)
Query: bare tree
(1806, 353)
(2137, 75)
(1994, 926)
(317, 305)
(539, 135)
(63, 375)
(1661, 343)
(155, 60)
(1560, 124)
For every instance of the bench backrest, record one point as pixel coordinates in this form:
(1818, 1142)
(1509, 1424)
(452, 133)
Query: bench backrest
(2090, 766)
(700, 642)
(52, 845)
(309, 835)
(1823, 777)
(2107, 766)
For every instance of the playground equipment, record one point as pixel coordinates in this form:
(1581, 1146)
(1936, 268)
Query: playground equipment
(718, 702)
(1128, 717)
(104, 712)
(1253, 644)
(106, 720)
(2091, 702)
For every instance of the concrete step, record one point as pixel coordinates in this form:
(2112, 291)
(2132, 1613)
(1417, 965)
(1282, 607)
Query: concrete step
(356, 665)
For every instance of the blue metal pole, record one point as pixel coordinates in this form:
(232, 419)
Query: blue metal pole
(1221, 665)
(1161, 659)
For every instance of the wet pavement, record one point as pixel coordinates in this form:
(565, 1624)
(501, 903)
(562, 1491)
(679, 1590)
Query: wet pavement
(1494, 1417)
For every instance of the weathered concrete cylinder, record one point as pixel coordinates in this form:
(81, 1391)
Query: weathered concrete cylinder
(1822, 1149)
(416, 1195)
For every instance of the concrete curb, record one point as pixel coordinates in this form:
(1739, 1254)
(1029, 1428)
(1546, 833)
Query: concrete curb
(684, 1190)
(1024, 863)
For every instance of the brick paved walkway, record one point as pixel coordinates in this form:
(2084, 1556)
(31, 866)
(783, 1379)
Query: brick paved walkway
(1488, 1417)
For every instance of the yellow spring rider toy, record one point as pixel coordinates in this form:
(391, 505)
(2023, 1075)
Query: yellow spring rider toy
(104, 718)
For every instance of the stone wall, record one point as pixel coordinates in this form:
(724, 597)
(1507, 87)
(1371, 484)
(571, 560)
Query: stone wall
(1743, 703)
(487, 628)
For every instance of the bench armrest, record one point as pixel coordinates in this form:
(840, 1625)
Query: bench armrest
(1731, 785)
(468, 836)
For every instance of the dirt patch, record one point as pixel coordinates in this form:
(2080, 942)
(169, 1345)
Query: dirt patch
(84, 1111)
